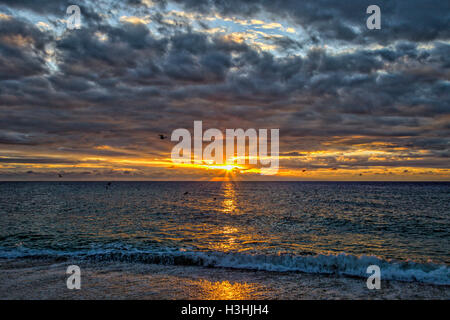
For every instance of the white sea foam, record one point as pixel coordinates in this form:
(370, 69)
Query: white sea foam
(339, 264)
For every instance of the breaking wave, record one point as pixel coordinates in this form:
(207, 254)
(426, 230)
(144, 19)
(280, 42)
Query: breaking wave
(339, 264)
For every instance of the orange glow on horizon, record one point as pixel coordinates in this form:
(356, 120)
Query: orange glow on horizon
(359, 161)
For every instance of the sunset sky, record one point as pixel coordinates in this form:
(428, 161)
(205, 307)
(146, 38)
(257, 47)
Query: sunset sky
(350, 103)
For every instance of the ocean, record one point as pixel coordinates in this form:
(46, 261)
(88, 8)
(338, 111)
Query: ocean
(226, 240)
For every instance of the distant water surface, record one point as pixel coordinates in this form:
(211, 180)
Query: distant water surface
(315, 227)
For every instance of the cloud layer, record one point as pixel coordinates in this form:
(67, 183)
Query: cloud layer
(351, 103)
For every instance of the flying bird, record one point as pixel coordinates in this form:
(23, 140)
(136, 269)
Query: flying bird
(162, 137)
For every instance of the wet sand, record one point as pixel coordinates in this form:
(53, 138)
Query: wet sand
(46, 279)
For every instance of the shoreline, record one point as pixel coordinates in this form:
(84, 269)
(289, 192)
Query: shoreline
(44, 279)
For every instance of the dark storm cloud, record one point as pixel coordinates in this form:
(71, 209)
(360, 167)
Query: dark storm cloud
(413, 20)
(125, 88)
(21, 49)
(37, 160)
(284, 43)
(44, 7)
(56, 8)
(15, 138)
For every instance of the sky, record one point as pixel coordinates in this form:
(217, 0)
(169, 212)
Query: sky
(350, 103)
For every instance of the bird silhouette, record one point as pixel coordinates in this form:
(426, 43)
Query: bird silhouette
(59, 175)
(162, 137)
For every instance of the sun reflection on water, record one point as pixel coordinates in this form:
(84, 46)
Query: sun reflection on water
(225, 290)
(229, 198)
(229, 239)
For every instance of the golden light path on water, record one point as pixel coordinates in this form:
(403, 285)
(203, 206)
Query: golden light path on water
(225, 290)
(229, 202)
(228, 234)
(231, 238)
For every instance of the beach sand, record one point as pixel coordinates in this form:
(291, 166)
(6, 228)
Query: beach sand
(46, 279)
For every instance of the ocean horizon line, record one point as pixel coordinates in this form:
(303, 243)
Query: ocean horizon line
(238, 181)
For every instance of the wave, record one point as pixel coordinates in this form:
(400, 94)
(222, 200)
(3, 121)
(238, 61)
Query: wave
(339, 264)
